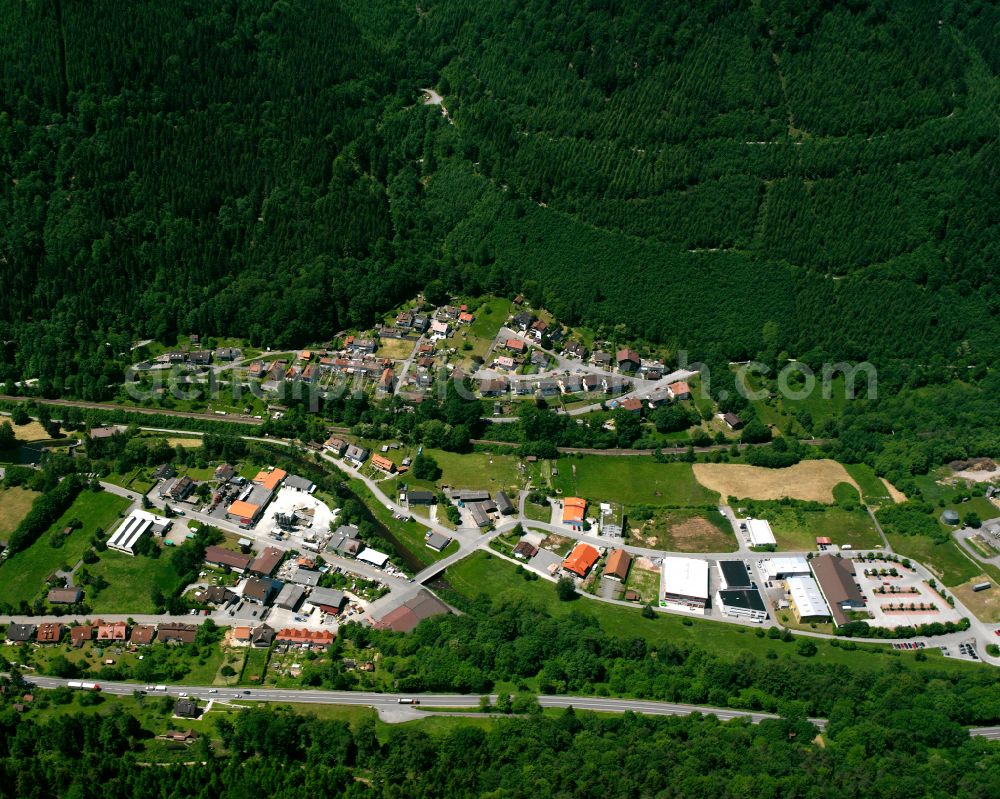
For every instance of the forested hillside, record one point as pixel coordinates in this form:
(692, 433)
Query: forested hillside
(690, 171)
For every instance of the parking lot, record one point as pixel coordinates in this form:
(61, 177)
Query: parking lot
(906, 590)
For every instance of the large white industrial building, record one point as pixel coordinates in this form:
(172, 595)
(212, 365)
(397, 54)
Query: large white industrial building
(806, 600)
(759, 533)
(782, 568)
(685, 584)
(137, 524)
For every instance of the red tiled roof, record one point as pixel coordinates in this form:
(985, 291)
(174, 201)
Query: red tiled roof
(581, 559)
(270, 479)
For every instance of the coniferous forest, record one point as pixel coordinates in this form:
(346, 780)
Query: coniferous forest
(806, 178)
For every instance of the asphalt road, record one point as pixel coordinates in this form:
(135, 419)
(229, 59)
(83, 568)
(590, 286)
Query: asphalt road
(428, 703)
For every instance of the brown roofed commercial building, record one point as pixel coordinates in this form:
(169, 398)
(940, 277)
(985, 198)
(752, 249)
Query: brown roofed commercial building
(412, 612)
(65, 596)
(618, 565)
(835, 577)
(217, 556)
(270, 479)
(266, 562)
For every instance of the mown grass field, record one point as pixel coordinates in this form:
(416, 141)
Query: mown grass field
(482, 573)
(396, 348)
(23, 574)
(946, 560)
(796, 529)
(631, 481)
(14, 505)
(873, 490)
(131, 581)
(490, 317)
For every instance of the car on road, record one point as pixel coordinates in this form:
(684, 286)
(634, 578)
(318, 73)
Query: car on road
(183, 694)
(404, 701)
(213, 690)
(246, 692)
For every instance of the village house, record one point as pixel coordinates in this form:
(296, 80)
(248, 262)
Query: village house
(386, 382)
(177, 633)
(523, 321)
(680, 390)
(357, 454)
(217, 556)
(111, 631)
(306, 639)
(548, 388)
(575, 349)
(492, 387)
(383, 463)
(525, 550)
(142, 634)
(627, 360)
(266, 562)
(581, 560)
(538, 329)
(335, 445)
(49, 633)
(632, 405)
(186, 709)
(572, 384)
(515, 345)
(574, 510)
(78, 636)
(618, 565)
(601, 359)
(651, 370)
(259, 590)
(539, 359)
(65, 596)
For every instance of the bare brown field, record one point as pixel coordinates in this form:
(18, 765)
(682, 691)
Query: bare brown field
(14, 506)
(809, 480)
(897, 495)
(984, 604)
(32, 431)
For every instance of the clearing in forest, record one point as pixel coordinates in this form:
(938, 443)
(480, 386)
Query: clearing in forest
(809, 480)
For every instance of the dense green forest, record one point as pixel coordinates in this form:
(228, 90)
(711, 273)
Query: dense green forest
(687, 171)
(577, 755)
